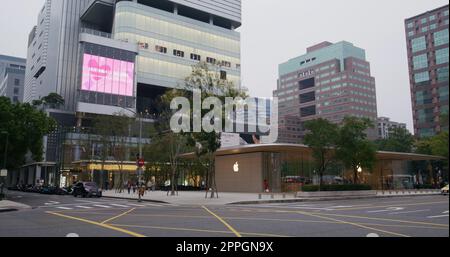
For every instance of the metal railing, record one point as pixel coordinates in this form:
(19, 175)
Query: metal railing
(95, 32)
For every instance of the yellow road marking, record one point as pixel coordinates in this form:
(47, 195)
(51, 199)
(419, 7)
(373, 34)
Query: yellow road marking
(353, 224)
(97, 224)
(197, 230)
(369, 218)
(118, 216)
(223, 221)
(383, 219)
(386, 206)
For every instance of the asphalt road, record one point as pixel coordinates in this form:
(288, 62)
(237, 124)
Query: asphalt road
(60, 216)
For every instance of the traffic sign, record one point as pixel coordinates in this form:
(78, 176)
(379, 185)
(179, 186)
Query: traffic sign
(141, 163)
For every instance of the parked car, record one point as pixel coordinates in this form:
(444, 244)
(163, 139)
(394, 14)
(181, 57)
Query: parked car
(86, 189)
(444, 190)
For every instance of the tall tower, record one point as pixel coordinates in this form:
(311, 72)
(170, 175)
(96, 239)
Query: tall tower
(330, 81)
(427, 45)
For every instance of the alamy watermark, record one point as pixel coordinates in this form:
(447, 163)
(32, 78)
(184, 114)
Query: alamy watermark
(239, 113)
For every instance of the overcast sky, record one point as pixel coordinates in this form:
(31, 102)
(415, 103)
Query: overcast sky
(274, 31)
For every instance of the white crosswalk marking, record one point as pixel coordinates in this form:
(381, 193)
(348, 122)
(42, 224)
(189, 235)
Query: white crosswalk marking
(102, 206)
(154, 205)
(64, 208)
(120, 205)
(136, 205)
(83, 207)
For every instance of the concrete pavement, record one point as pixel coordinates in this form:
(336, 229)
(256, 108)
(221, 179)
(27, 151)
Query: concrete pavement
(60, 216)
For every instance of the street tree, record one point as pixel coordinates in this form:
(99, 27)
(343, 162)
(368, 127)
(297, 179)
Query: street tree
(353, 149)
(399, 140)
(210, 83)
(25, 127)
(321, 138)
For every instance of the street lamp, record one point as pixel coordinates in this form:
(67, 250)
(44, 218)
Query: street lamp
(4, 160)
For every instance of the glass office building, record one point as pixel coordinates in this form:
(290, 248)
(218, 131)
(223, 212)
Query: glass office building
(427, 45)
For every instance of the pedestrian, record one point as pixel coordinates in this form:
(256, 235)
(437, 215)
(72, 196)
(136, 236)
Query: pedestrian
(129, 187)
(149, 185)
(266, 186)
(134, 188)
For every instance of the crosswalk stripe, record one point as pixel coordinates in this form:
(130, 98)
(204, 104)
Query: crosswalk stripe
(64, 208)
(103, 206)
(120, 205)
(137, 205)
(154, 205)
(84, 207)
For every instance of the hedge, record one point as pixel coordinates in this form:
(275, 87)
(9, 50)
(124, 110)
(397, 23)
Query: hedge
(350, 187)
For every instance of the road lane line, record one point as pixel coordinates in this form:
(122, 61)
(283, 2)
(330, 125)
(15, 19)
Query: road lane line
(98, 224)
(64, 208)
(404, 212)
(153, 205)
(438, 216)
(118, 216)
(83, 207)
(136, 205)
(387, 206)
(223, 221)
(103, 206)
(120, 205)
(198, 230)
(353, 224)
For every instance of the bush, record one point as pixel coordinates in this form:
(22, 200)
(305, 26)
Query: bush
(424, 186)
(350, 187)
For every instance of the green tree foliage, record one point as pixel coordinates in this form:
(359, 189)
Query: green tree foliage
(400, 140)
(53, 100)
(353, 148)
(26, 128)
(210, 84)
(321, 138)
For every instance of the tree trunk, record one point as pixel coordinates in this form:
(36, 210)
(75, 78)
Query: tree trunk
(355, 175)
(172, 179)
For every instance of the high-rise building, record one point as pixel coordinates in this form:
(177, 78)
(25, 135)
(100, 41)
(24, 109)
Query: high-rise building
(12, 77)
(330, 81)
(116, 56)
(427, 45)
(103, 56)
(385, 125)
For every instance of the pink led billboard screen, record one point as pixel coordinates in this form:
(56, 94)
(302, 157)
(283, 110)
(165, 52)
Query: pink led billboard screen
(106, 75)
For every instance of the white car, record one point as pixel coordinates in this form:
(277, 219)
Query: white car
(444, 190)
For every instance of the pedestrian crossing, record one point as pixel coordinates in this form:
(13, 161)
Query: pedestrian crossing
(106, 206)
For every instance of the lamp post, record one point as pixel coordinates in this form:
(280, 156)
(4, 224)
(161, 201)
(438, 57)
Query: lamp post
(4, 160)
(139, 170)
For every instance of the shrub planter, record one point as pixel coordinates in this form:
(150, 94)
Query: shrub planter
(359, 193)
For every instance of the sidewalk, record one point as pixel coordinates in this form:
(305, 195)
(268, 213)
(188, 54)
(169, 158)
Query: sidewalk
(6, 206)
(198, 198)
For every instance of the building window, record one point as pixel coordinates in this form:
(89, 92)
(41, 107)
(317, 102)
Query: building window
(442, 74)
(196, 57)
(178, 53)
(422, 77)
(426, 132)
(424, 29)
(223, 75)
(226, 64)
(16, 90)
(443, 93)
(411, 33)
(211, 60)
(424, 97)
(418, 44)
(433, 26)
(16, 82)
(442, 56)
(410, 25)
(420, 61)
(15, 99)
(161, 49)
(432, 17)
(423, 20)
(441, 37)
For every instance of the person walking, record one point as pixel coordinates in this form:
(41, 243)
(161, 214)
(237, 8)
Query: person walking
(129, 187)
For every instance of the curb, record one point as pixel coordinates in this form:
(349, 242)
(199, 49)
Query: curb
(134, 199)
(7, 210)
(323, 199)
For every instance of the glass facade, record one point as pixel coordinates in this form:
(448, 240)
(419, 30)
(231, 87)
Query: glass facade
(422, 77)
(424, 97)
(418, 44)
(442, 56)
(184, 42)
(420, 61)
(442, 74)
(441, 37)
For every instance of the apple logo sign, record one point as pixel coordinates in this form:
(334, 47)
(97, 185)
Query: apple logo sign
(236, 167)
